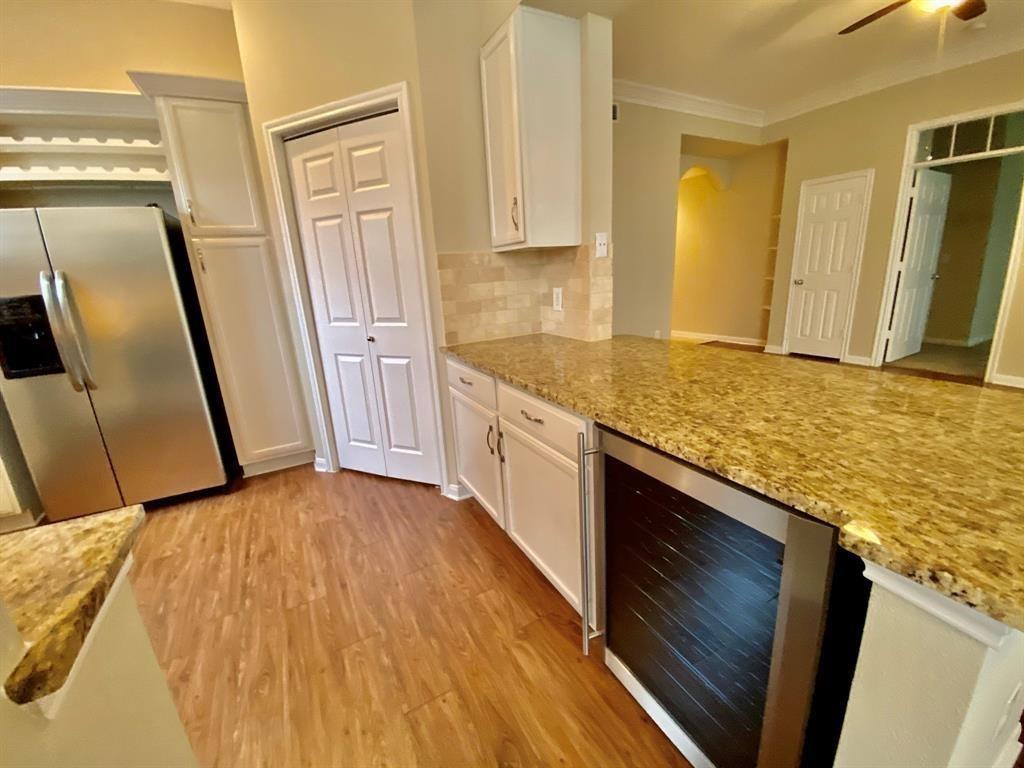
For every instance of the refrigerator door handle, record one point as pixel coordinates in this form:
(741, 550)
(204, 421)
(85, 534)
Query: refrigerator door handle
(57, 328)
(69, 311)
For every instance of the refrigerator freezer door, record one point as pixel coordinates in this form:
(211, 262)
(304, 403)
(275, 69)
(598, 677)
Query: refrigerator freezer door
(115, 278)
(55, 425)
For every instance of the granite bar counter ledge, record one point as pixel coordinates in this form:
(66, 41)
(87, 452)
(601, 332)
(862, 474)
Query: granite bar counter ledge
(53, 582)
(922, 477)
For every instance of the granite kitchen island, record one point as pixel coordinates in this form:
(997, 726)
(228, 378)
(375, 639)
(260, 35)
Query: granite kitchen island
(923, 479)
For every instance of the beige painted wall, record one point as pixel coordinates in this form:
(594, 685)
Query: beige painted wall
(871, 132)
(91, 43)
(645, 161)
(723, 235)
(962, 253)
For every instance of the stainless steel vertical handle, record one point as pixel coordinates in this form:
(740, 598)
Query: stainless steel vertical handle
(490, 434)
(69, 311)
(583, 478)
(515, 212)
(57, 328)
(191, 213)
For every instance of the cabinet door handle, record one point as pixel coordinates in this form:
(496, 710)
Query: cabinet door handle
(528, 417)
(490, 434)
(798, 281)
(501, 446)
(202, 261)
(583, 478)
(191, 213)
(515, 212)
(466, 381)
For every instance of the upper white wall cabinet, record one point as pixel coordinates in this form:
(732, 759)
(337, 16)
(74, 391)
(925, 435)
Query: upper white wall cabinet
(215, 178)
(530, 75)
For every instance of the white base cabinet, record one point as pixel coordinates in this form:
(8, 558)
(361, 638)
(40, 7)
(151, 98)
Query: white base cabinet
(476, 452)
(517, 455)
(542, 499)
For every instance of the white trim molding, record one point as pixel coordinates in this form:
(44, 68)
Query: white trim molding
(1006, 380)
(456, 492)
(677, 101)
(153, 84)
(775, 349)
(981, 49)
(864, 360)
(15, 100)
(977, 625)
(700, 338)
(278, 463)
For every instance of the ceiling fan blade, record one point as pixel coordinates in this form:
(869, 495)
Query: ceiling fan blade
(875, 16)
(969, 9)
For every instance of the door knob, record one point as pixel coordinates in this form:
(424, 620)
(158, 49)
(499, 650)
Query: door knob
(371, 339)
(798, 281)
(935, 276)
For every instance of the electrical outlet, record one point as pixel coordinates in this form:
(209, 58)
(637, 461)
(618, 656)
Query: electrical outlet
(556, 299)
(600, 245)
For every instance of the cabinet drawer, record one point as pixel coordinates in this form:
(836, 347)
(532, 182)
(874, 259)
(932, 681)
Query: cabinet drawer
(552, 425)
(478, 386)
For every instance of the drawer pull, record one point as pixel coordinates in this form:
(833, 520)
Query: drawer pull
(465, 381)
(528, 417)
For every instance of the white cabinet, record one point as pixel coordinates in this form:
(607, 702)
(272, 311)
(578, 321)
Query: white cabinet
(215, 182)
(530, 79)
(252, 348)
(476, 452)
(542, 508)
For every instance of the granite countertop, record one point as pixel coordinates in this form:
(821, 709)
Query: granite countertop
(923, 477)
(53, 582)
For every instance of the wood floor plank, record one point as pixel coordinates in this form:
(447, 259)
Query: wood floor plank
(346, 620)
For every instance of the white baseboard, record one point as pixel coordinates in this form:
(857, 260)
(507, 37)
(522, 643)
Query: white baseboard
(456, 492)
(278, 463)
(700, 338)
(653, 707)
(973, 341)
(859, 360)
(1004, 379)
(774, 349)
(321, 464)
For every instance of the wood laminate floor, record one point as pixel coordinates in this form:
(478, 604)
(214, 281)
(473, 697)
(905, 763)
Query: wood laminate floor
(347, 620)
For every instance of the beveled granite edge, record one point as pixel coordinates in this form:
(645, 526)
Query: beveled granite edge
(991, 582)
(56, 579)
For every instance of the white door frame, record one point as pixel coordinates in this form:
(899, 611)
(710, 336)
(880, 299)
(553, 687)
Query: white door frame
(899, 229)
(868, 174)
(363, 105)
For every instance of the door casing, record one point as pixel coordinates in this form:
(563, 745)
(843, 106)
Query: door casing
(275, 132)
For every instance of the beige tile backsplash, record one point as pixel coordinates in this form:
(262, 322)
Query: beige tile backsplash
(494, 295)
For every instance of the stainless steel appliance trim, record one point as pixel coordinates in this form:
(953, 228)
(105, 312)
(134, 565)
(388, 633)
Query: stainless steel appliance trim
(803, 602)
(72, 322)
(583, 485)
(57, 327)
(746, 508)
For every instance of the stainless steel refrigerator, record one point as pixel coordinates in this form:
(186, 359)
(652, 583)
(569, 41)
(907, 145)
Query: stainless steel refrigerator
(100, 372)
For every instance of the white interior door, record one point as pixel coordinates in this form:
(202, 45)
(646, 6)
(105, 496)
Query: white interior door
(354, 201)
(918, 267)
(829, 241)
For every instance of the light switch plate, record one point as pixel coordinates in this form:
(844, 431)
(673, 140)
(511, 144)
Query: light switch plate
(600, 245)
(556, 299)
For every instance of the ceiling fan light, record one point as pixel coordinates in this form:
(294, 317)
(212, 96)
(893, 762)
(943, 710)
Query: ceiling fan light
(934, 6)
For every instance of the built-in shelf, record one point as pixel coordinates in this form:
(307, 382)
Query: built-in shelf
(90, 173)
(87, 145)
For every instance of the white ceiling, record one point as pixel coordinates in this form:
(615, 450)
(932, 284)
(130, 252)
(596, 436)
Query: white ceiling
(783, 57)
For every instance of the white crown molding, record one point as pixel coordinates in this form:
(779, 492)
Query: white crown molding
(972, 623)
(980, 50)
(153, 84)
(16, 100)
(666, 98)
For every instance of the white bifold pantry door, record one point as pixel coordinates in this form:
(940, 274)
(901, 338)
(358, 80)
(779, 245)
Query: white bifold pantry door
(353, 198)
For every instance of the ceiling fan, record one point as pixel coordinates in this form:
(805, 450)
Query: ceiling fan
(965, 10)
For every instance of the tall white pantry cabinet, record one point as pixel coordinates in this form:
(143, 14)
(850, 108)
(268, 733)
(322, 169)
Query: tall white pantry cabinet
(216, 189)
